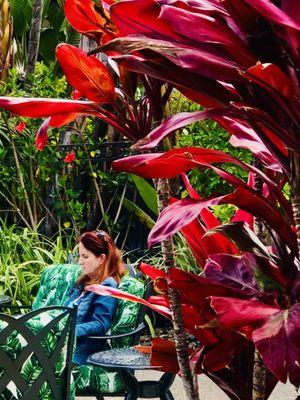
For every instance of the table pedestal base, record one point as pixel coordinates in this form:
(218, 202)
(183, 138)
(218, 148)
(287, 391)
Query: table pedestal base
(147, 389)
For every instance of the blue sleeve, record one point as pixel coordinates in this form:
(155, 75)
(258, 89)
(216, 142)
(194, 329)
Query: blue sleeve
(103, 309)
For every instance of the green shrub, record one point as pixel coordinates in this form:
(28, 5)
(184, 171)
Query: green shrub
(23, 255)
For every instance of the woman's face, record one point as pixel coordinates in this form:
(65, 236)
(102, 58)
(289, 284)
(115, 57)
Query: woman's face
(89, 262)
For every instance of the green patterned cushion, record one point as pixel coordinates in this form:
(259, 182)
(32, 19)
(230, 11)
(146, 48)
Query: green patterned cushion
(14, 344)
(127, 311)
(89, 379)
(56, 282)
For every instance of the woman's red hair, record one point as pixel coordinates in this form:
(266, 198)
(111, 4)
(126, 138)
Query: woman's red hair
(99, 242)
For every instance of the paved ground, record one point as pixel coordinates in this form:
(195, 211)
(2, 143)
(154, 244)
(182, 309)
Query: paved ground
(208, 390)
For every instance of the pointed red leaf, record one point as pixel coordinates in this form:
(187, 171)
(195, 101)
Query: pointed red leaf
(196, 289)
(235, 313)
(181, 213)
(219, 356)
(39, 107)
(270, 76)
(232, 271)
(119, 294)
(273, 13)
(41, 137)
(142, 18)
(164, 355)
(87, 74)
(278, 341)
(83, 15)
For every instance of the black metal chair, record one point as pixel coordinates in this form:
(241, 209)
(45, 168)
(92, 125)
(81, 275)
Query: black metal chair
(36, 351)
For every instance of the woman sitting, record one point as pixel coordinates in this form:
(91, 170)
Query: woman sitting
(101, 264)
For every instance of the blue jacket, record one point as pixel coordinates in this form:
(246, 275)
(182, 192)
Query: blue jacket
(94, 317)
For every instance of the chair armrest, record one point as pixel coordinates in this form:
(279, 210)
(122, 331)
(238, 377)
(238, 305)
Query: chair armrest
(139, 328)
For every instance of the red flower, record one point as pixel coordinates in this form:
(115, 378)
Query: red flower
(20, 127)
(70, 157)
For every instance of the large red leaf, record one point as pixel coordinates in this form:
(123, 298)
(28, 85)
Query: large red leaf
(181, 213)
(87, 74)
(176, 161)
(207, 92)
(273, 13)
(171, 124)
(278, 341)
(142, 18)
(196, 289)
(204, 28)
(270, 76)
(208, 63)
(39, 107)
(234, 313)
(164, 355)
(232, 271)
(85, 18)
(217, 357)
(119, 294)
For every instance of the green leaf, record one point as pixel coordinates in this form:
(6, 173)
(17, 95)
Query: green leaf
(55, 16)
(147, 192)
(48, 42)
(19, 20)
(143, 217)
(72, 36)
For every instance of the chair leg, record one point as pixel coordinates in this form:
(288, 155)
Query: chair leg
(99, 397)
(166, 396)
(130, 396)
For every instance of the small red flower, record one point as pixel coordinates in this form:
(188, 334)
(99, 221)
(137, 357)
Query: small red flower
(70, 157)
(20, 127)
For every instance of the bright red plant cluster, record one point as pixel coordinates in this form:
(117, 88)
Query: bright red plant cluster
(240, 59)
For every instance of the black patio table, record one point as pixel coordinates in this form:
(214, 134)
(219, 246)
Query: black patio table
(125, 361)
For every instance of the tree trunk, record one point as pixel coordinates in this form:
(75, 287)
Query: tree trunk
(295, 183)
(34, 37)
(180, 337)
(259, 369)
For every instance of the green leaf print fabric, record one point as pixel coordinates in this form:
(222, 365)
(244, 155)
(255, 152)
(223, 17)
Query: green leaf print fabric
(56, 282)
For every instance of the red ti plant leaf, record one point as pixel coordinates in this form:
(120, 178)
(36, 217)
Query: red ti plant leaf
(88, 18)
(277, 337)
(278, 343)
(232, 271)
(270, 76)
(39, 107)
(181, 213)
(219, 356)
(235, 313)
(87, 74)
(142, 18)
(41, 137)
(119, 294)
(273, 13)
(164, 356)
(189, 285)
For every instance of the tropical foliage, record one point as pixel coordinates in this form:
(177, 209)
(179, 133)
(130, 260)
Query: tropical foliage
(240, 60)
(24, 253)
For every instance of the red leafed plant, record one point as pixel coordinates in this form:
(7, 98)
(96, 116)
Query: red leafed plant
(239, 59)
